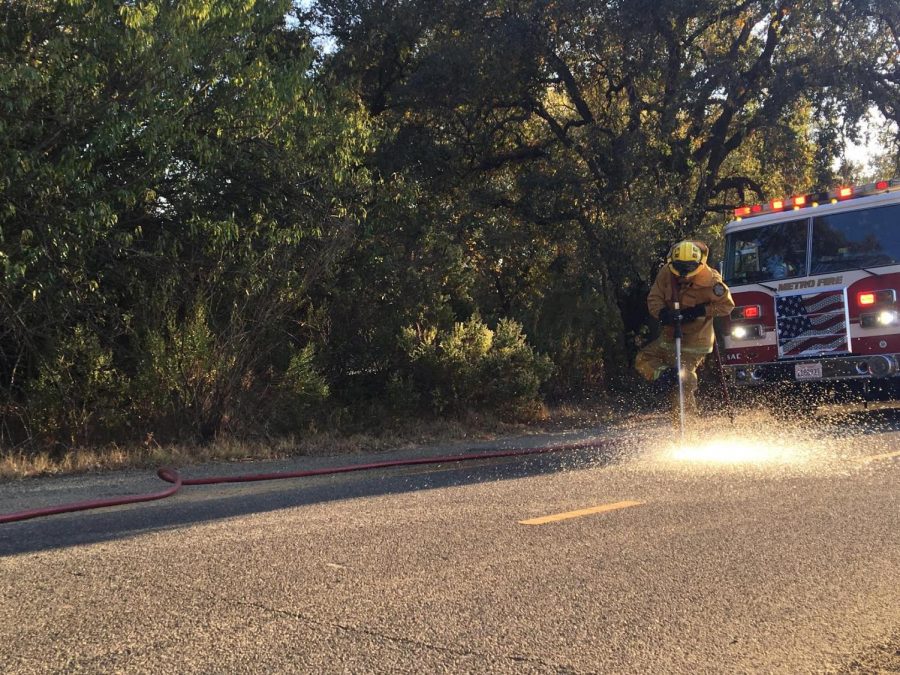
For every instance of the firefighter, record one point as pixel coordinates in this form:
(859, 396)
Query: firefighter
(702, 295)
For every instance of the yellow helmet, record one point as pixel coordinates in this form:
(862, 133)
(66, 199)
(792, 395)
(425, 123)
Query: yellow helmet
(686, 257)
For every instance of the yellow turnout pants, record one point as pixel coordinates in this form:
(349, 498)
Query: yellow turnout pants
(659, 355)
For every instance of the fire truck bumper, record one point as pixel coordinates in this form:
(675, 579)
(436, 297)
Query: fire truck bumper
(834, 368)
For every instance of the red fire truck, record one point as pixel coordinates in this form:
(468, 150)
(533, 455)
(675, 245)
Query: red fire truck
(815, 280)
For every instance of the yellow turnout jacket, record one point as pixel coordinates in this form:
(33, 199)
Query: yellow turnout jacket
(704, 287)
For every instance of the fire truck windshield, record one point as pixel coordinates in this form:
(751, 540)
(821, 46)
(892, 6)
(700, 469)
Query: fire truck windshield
(767, 253)
(847, 240)
(856, 239)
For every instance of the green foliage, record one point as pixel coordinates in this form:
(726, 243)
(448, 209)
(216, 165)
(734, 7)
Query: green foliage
(76, 393)
(301, 393)
(513, 371)
(207, 225)
(181, 380)
(302, 380)
(174, 179)
(471, 366)
(566, 144)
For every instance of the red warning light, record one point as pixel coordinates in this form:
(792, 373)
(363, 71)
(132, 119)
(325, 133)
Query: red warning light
(751, 312)
(882, 185)
(845, 192)
(800, 201)
(866, 298)
(756, 208)
(742, 211)
(777, 204)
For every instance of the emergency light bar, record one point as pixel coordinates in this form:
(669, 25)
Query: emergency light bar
(813, 200)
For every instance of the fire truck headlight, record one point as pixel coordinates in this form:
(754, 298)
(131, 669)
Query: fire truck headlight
(887, 317)
(742, 332)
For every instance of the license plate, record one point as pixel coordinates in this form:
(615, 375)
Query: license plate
(808, 371)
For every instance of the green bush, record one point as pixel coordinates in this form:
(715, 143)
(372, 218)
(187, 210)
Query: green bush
(77, 396)
(199, 380)
(512, 371)
(300, 393)
(470, 366)
(181, 388)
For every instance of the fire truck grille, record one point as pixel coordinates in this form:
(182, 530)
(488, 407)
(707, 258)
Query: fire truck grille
(812, 325)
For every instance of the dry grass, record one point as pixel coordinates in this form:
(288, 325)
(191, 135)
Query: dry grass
(83, 460)
(390, 436)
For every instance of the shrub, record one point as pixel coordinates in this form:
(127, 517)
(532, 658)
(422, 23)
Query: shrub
(185, 374)
(470, 365)
(77, 395)
(300, 393)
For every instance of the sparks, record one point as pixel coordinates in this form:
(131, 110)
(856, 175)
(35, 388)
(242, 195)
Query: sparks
(736, 451)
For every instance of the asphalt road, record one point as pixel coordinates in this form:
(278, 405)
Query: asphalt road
(766, 550)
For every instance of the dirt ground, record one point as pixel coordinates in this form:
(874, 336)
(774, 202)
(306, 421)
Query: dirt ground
(397, 434)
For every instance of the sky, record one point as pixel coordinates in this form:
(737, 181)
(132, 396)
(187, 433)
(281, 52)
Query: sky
(870, 145)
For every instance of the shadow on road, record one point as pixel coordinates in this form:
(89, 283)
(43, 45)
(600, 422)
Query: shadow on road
(200, 504)
(859, 420)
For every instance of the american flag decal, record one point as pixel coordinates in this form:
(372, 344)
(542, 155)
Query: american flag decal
(810, 325)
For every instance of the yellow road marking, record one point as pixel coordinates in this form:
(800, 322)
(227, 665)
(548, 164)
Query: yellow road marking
(875, 458)
(577, 514)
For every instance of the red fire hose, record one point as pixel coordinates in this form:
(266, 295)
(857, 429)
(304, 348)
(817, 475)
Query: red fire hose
(171, 475)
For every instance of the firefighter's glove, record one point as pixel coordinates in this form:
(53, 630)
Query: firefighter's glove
(668, 317)
(692, 313)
